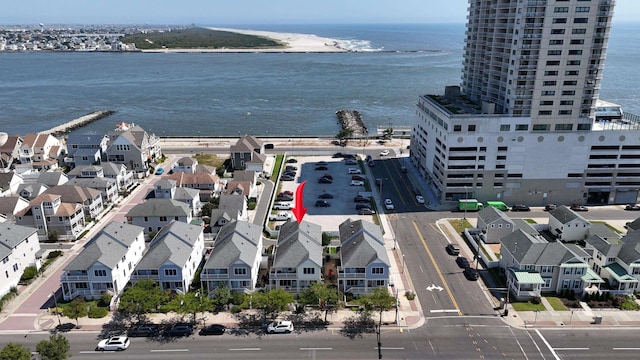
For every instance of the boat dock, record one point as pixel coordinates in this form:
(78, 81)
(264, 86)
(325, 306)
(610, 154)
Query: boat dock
(79, 122)
(351, 120)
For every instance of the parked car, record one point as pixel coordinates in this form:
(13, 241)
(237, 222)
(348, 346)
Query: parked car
(281, 216)
(388, 204)
(280, 327)
(286, 177)
(282, 206)
(363, 206)
(350, 162)
(354, 171)
(290, 168)
(462, 262)
(147, 330)
(325, 196)
(322, 163)
(361, 199)
(453, 249)
(330, 177)
(179, 329)
(290, 173)
(384, 152)
(322, 203)
(576, 207)
(322, 167)
(213, 329)
(159, 171)
(291, 161)
(117, 343)
(324, 180)
(269, 146)
(286, 192)
(520, 207)
(419, 199)
(357, 183)
(632, 207)
(371, 163)
(358, 177)
(337, 155)
(366, 211)
(471, 274)
(549, 207)
(284, 198)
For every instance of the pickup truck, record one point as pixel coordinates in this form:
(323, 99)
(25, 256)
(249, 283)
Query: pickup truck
(282, 206)
(281, 216)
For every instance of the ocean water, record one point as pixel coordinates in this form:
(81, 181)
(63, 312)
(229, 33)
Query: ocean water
(286, 94)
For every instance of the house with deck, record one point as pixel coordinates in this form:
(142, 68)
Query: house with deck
(567, 225)
(132, 146)
(53, 217)
(494, 224)
(248, 154)
(19, 249)
(154, 214)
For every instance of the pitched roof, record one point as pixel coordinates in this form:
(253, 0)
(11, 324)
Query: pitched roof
(52, 178)
(78, 170)
(160, 207)
(186, 194)
(107, 247)
(92, 183)
(11, 235)
(111, 168)
(361, 244)
(74, 193)
(565, 215)
(298, 243)
(9, 204)
(173, 244)
(528, 250)
(491, 214)
(84, 139)
(246, 143)
(236, 241)
(183, 179)
(231, 202)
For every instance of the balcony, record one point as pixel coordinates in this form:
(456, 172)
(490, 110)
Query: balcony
(204, 276)
(75, 278)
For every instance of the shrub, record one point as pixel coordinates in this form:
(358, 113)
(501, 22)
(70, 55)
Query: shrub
(536, 300)
(235, 309)
(410, 295)
(54, 254)
(29, 273)
(251, 205)
(105, 299)
(96, 312)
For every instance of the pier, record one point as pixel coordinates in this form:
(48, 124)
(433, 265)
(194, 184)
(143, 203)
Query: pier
(351, 120)
(79, 122)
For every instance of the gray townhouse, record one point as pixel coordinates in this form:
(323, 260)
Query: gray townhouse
(133, 147)
(85, 149)
(173, 256)
(185, 165)
(494, 224)
(154, 214)
(108, 187)
(297, 257)
(90, 199)
(50, 215)
(567, 225)
(109, 170)
(616, 261)
(167, 189)
(248, 154)
(364, 263)
(235, 259)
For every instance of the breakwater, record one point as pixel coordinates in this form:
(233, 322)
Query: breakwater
(352, 120)
(77, 123)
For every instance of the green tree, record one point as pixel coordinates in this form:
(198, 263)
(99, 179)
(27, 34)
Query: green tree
(13, 351)
(271, 302)
(379, 299)
(56, 348)
(77, 308)
(191, 303)
(144, 297)
(344, 135)
(221, 297)
(319, 294)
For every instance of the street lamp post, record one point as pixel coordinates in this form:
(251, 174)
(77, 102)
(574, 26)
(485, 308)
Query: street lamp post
(55, 302)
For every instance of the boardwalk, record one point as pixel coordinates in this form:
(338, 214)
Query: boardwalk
(79, 122)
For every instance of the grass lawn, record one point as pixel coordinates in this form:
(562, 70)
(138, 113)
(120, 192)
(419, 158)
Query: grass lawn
(460, 225)
(556, 303)
(209, 159)
(527, 306)
(607, 225)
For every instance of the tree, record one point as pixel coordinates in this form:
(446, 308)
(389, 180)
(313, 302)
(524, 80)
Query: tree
(144, 297)
(221, 297)
(379, 299)
(191, 303)
(15, 351)
(56, 348)
(344, 135)
(387, 134)
(77, 308)
(326, 298)
(271, 302)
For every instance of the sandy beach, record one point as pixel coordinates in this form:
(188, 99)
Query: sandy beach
(295, 43)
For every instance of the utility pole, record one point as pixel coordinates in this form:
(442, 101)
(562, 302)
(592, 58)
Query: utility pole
(55, 301)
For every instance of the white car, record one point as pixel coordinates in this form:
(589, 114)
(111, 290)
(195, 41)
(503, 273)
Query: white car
(419, 199)
(357, 183)
(280, 327)
(282, 206)
(354, 171)
(384, 152)
(281, 216)
(388, 204)
(117, 343)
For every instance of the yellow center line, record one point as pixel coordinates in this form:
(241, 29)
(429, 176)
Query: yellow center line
(394, 184)
(433, 261)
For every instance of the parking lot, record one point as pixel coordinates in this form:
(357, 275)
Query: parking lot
(341, 205)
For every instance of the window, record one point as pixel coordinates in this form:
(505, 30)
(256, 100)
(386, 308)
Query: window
(15, 267)
(100, 272)
(170, 272)
(556, 42)
(547, 282)
(551, 73)
(564, 127)
(577, 42)
(457, 127)
(570, 83)
(522, 127)
(541, 127)
(568, 92)
(561, 9)
(471, 128)
(573, 62)
(575, 52)
(559, 20)
(566, 102)
(546, 102)
(546, 269)
(549, 83)
(548, 93)
(240, 271)
(553, 63)
(544, 113)
(554, 52)
(163, 218)
(571, 73)
(377, 270)
(578, 31)
(309, 271)
(582, 9)
(580, 20)
(557, 31)
(505, 127)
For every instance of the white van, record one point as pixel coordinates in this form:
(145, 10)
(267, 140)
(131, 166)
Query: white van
(282, 206)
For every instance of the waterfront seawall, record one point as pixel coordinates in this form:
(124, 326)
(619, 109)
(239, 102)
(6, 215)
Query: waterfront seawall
(79, 122)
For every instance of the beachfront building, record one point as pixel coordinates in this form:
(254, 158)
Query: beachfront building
(185, 164)
(248, 154)
(105, 264)
(9, 151)
(40, 151)
(19, 248)
(132, 146)
(85, 149)
(531, 79)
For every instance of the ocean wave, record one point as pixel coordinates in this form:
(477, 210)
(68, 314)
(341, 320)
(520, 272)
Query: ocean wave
(357, 45)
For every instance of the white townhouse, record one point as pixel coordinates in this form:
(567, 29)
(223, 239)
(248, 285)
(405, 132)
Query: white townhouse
(19, 247)
(617, 261)
(567, 225)
(105, 264)
(235, 259)
(172, 257)
(494, 224)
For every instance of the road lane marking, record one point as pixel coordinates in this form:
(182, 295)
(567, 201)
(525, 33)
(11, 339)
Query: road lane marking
(445, 311)
(389, 348)
(245, 349)
(305, 349)
(633, 349)
(548, 345)
(433, 261)
(570, 349)
(170, 350)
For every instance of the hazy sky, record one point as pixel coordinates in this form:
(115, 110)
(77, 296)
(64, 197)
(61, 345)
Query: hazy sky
(219, 12)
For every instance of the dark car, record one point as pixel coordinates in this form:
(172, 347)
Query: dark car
(325, 196)
(453, 249)
(290, 168)
(269, 146)
(520, 207)
(290, 193)
(471, 274)
(148, 330)
(289, 173)
(462, 262)
(322, 167)
(576, 207)
(322, 163)
(291, 161)
(284, 198)
(632, 207)
(286, 177)
(337, 155)
(366, 211)
(324, 180)
(358, 177)
(214, 329)
(549, 207)
(362, 206)
(361, 199)
(327, 176)
(322, 203)
(179, 330)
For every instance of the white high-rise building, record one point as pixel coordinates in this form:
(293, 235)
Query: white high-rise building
(522, 128)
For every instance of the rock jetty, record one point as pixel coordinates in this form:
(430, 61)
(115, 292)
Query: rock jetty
(352, 120)
(79, 122)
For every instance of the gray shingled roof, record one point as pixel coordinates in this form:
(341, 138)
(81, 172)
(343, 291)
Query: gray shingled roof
(491, 214)
(297, 243)
(85, 139)
(236, 241)
(107, 247)
(186, 194)
(94, 183)
(173, 244)
(77, 171)
(74, 193)
(231, 202)
(565, 215)
(111, 169)
(532, 250)
(11, 235)
(160, 207)
(361, 244)
(52, 178)
(524, 226)
(608, 248)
